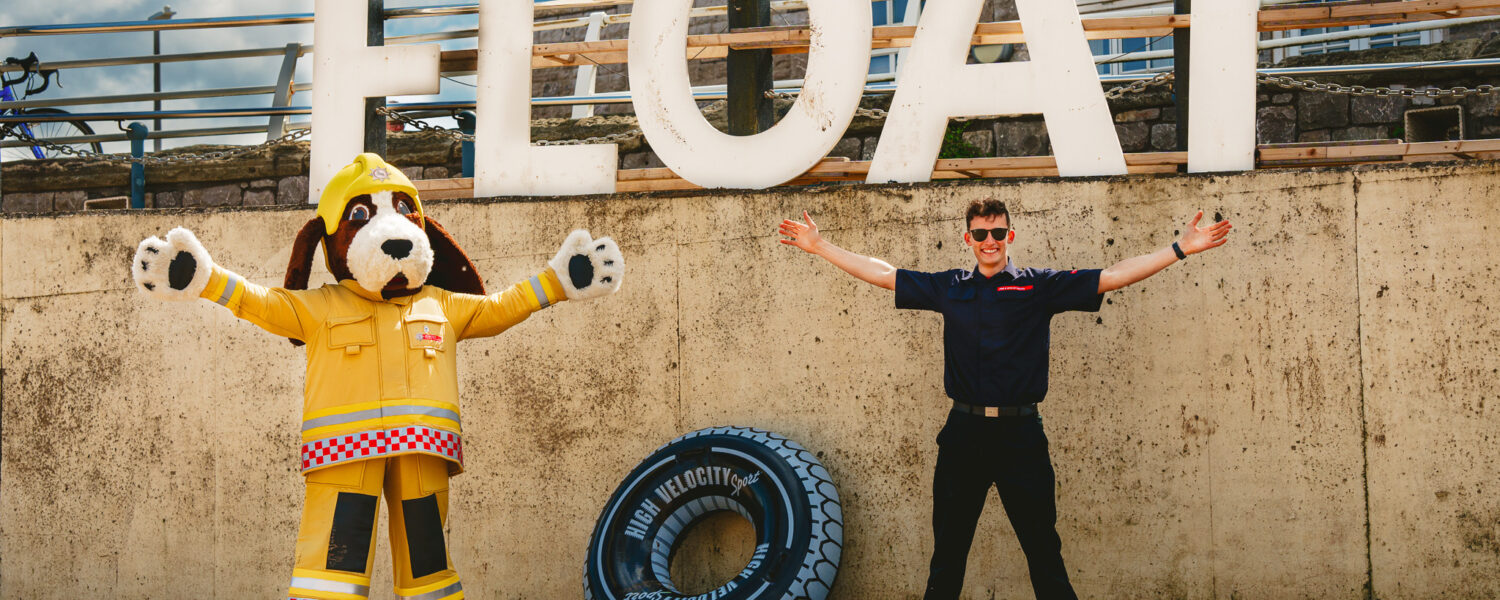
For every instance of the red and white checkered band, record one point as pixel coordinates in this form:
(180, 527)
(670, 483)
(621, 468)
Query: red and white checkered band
(406, 439)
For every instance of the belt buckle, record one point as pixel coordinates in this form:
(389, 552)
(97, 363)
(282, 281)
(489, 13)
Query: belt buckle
(991, 411)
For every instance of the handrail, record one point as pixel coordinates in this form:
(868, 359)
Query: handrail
(1114, 22)
(711, 93)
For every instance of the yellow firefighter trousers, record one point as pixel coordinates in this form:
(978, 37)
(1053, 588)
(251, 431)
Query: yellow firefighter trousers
(336, 543)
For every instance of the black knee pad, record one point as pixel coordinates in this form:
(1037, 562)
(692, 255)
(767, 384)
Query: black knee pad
(424, 536)
(353, 526)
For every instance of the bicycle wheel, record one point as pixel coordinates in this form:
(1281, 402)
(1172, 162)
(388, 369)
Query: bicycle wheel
(46, 130)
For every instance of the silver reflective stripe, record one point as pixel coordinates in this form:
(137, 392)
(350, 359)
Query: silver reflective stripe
(375, 413)
(228, 290)
(431, 411)
(324, 585)
(541, 293)
(437, 594)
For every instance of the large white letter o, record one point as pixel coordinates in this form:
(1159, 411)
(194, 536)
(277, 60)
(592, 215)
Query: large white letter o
(839, 58)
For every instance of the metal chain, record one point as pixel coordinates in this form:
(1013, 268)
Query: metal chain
(449, 133)
(465, 137)
(1139, 86)
(1360, 90)
(162, 160)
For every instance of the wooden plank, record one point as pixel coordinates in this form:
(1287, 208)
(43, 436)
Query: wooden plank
(1464, 146)
(1371, 13)
(794, 40)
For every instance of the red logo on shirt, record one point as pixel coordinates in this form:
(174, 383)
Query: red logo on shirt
(1013, 288)
(428, 337)
(1074, 271)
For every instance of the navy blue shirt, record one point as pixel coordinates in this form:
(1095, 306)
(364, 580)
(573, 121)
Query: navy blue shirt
(997, 330)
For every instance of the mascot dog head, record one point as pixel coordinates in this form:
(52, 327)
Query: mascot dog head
(372, 229)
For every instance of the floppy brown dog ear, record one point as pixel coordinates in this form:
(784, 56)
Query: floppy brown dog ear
(451, 268)
(299, 268)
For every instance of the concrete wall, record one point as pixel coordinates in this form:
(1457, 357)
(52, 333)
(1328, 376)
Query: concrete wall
(1303, 413)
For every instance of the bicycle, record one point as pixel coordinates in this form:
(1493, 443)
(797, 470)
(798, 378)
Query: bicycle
(40, 129)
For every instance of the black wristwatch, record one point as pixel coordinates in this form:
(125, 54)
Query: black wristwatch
(1178, 249)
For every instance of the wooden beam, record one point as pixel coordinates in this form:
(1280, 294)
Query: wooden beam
(1140, 163)
(1372, 12)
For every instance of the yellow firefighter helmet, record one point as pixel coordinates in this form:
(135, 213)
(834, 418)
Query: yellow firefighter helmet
(366, 175)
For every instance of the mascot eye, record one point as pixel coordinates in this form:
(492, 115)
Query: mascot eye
(359, 213)
(402, 208)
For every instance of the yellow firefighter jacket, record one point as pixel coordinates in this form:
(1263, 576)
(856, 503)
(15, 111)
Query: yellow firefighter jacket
(381, 374)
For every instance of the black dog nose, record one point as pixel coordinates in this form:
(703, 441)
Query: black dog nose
(398, 249)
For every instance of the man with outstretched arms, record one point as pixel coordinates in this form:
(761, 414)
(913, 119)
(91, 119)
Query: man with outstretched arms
(996, 326)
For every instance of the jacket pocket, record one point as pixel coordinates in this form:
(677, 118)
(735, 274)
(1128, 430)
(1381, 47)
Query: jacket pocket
(426, 332)
(351, 332)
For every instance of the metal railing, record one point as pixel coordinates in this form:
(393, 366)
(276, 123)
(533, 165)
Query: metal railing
(583, 97)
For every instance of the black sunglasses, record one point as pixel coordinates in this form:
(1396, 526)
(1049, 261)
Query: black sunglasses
(980, 235)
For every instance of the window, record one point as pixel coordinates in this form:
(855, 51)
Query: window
(1408, 38)
(1132, 46)
(886, 12)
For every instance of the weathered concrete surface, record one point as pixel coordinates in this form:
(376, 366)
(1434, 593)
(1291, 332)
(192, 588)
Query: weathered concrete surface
(1208, 426)
(1427, 252)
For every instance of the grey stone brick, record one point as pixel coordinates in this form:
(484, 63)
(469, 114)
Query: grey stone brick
(1374, 132)
(1131, 116)
(1164, 137)
(166, 199)
(867, 148)
(435, 173)
(641, 160)
(292, 190)
(1022, 138)
(983, 139)
(1276, 125)
(13, 202)
(1365, 110)
(1313, 136)
(219, 195)
(260, 198)
(69, 200)
(1321, 111)
(847, 148)
(1133, 136)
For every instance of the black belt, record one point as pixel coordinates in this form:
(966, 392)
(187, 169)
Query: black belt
(1024, 410)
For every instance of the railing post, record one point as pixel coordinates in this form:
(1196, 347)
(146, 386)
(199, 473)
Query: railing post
(466, 122)
(750, 111)
(137, 134)
(374, 121)
(276, 127)
(1181, 39)
(588, 74)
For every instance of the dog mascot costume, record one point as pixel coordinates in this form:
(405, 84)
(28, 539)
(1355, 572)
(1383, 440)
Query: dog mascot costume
(381, 409)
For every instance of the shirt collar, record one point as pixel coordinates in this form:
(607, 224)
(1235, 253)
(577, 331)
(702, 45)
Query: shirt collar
(374, 296)
(1010, 269)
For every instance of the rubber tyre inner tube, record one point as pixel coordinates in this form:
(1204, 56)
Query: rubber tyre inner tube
(771, 481)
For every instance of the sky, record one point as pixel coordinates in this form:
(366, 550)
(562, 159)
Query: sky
(239, 72)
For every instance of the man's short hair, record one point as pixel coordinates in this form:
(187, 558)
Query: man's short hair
(988, 207)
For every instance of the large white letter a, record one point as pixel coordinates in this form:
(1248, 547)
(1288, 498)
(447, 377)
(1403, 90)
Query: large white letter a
(1060, 82)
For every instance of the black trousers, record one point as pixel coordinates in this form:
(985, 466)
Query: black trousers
(1009, 453)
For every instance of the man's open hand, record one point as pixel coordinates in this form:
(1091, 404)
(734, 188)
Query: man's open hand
(804, 236)
(1197, 239)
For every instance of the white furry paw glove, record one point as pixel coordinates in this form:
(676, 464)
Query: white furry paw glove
(175, 269)
(588, 268)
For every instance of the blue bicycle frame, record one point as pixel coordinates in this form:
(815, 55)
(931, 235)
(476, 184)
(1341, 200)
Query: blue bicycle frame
(7, 96)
